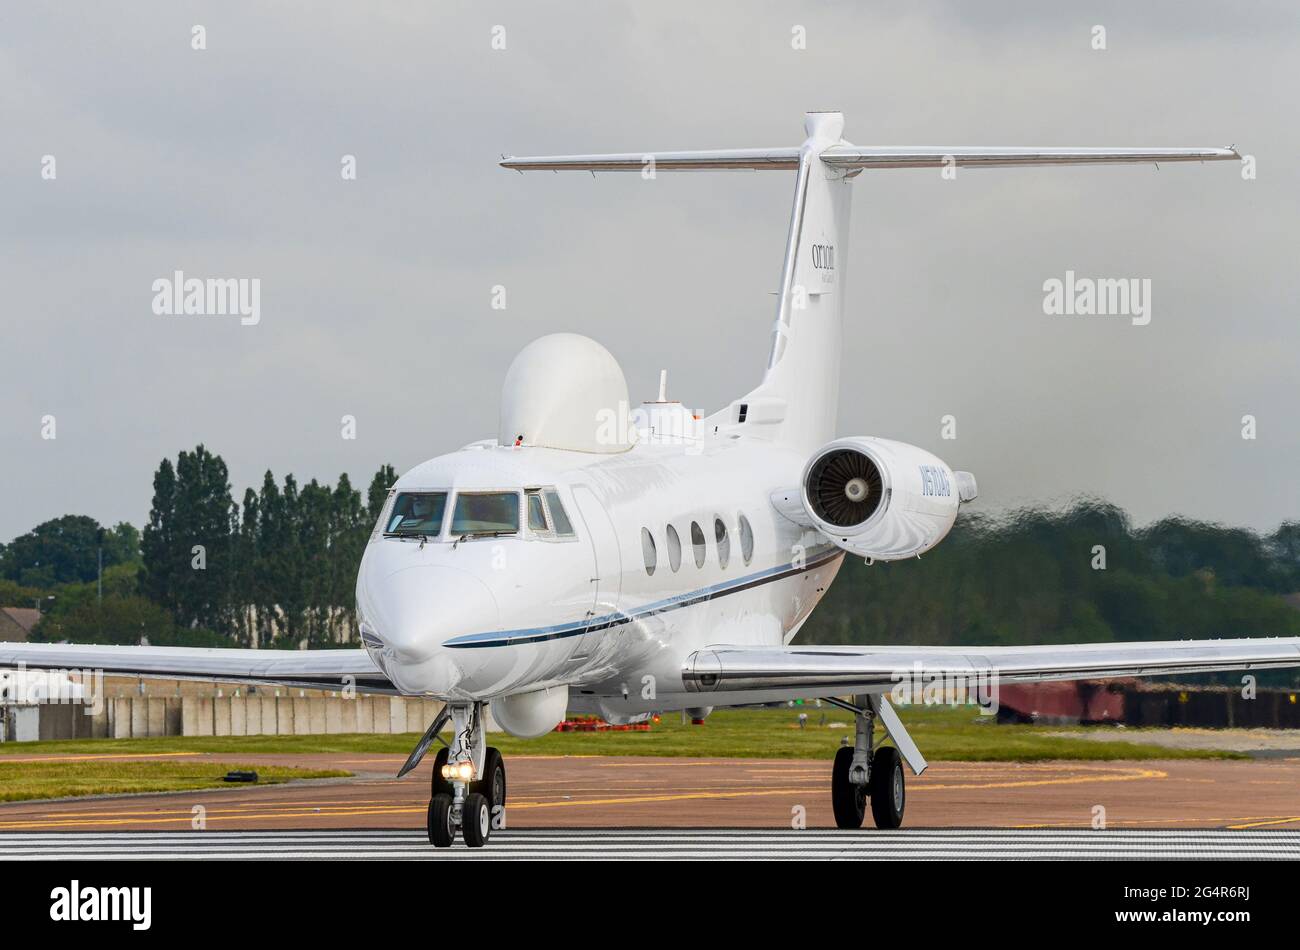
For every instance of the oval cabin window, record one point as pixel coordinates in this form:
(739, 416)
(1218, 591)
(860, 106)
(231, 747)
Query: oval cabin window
(674, 549)
(648, 551)
(746, 540)
(697, 542)
(724, 542)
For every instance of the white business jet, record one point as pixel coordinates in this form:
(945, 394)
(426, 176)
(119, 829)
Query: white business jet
(628, 562)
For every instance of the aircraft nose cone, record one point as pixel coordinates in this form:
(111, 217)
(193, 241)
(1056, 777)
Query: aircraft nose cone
(424, 605)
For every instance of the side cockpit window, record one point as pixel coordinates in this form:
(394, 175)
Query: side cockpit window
(560, 522)
(382, 521)
(546, 516)
(536, 512)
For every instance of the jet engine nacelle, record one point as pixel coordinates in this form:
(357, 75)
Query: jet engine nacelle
(880, 499)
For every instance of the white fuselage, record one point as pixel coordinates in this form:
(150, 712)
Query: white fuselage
(487, 617)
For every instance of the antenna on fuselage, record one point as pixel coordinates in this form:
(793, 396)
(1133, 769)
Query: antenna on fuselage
(663, 385)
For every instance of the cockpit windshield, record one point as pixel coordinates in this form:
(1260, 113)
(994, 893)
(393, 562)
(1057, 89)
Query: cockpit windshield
(478, 513)
(417, 514)
(475, 514)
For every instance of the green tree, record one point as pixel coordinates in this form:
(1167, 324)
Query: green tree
(377, 494)
(163, 560)
(272, 539)
(64, 550)
(188, 545)
(16, 595)
(121, 544)
(246, 568)
(121, 620)
(314, 540)
(349, 532)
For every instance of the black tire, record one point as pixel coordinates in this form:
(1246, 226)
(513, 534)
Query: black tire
(439, 785)
(492, 785)
(849, 801)
(888, 788)
(439, 824)
(476, 820)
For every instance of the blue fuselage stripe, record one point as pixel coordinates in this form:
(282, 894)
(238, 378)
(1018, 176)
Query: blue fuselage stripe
(587, 625)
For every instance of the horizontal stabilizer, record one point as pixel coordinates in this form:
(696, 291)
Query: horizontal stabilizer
(854, 157)
(965, 156)
(749, 159)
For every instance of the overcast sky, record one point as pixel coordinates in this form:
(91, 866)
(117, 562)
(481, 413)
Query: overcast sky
(376, 293)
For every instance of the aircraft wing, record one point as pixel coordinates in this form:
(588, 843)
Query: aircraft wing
(307, 669)
(839, 670)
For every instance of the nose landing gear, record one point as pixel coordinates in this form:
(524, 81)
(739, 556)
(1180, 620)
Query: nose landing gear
(468, 785)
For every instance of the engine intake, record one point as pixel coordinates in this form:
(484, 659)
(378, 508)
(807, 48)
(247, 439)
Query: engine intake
(879, 499)
(845, 487)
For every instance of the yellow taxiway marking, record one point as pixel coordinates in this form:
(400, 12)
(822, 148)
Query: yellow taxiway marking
(95, 758)
(1134, 775)
(664, 762)
(188, 818)
(681, 796)
(1261, 824)
(211, 816)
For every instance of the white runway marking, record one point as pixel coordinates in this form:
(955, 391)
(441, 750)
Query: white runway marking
(652, 845)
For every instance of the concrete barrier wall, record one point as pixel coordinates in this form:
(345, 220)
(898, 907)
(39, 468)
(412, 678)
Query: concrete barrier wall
(135, 717)
(294, 715)
(59, 721)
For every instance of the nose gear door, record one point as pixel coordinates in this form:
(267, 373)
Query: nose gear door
(607, 578)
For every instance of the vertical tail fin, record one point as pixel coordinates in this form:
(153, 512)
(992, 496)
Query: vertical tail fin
(799, 394)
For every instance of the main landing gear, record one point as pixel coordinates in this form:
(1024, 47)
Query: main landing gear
(863, 773)
(468, 785)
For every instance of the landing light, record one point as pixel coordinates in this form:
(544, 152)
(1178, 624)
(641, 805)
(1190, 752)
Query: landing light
(463, 771)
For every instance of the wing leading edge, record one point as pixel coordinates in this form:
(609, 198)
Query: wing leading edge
(307, 669)
(801, 671)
